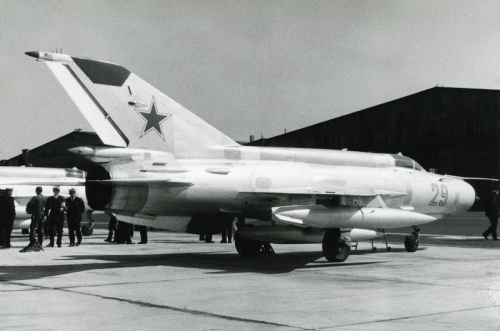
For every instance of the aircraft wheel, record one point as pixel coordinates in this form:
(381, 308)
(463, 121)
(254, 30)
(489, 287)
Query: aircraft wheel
(335, 248)
(246, 247)
(411, 243)
(88, 229)
(25, 231)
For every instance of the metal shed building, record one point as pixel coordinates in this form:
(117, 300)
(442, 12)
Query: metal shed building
(54, 154)
(447, 130)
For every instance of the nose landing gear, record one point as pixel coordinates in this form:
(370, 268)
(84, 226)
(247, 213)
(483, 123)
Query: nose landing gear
(411, 241)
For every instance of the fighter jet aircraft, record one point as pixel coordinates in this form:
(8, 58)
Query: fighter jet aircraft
(167, 168)
(24, 180)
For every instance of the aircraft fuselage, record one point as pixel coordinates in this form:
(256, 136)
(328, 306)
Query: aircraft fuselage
(251, 188)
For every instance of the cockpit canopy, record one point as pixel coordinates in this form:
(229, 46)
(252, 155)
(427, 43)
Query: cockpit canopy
(406, 162)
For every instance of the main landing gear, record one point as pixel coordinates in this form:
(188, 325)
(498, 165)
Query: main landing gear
(248, 247)
(411, 241)
(335, 248)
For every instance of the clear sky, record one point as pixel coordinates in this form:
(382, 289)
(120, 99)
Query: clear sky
(246, 67)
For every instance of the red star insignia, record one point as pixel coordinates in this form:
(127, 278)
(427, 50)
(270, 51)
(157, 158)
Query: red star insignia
(153, 120)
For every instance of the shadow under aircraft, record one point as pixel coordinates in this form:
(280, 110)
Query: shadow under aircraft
(213, 262)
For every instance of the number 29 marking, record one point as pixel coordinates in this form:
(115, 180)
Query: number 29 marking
(444, 195)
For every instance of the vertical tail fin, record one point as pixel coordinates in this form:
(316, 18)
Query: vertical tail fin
(125, 111)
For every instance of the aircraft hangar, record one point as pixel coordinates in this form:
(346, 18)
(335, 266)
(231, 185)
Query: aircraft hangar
(54, 154)
(447, 130)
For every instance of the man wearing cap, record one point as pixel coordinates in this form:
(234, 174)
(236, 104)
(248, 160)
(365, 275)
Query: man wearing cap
(2, 227)
(36, 208)
(54, 211)
(491, 211)
(74, 209)
(7, 215)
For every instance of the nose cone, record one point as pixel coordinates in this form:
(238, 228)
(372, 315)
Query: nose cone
(467, 196)
(33, 54)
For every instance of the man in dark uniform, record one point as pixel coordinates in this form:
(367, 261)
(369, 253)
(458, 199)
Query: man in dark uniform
(491, 211)
(7, 215)
(74, 209)
(143, 230)
(122, 234)
(112, 227)
(208, 239)
(227, 233)
(2, 225)
(36, 208)
(54, 211)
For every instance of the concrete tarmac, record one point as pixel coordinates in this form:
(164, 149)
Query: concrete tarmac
(176, 282)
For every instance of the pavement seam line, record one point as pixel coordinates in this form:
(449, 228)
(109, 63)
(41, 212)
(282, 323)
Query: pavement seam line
(151, 305)
(409, 317)
(404, 282)
(187, 311)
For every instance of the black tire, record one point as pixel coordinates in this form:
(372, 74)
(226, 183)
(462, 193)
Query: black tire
(411, 243)
(87, 229)
(246, 247)
(335, 248)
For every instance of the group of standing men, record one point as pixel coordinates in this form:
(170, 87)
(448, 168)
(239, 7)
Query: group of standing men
(51, 210)
(227, 233)
(124, 232)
